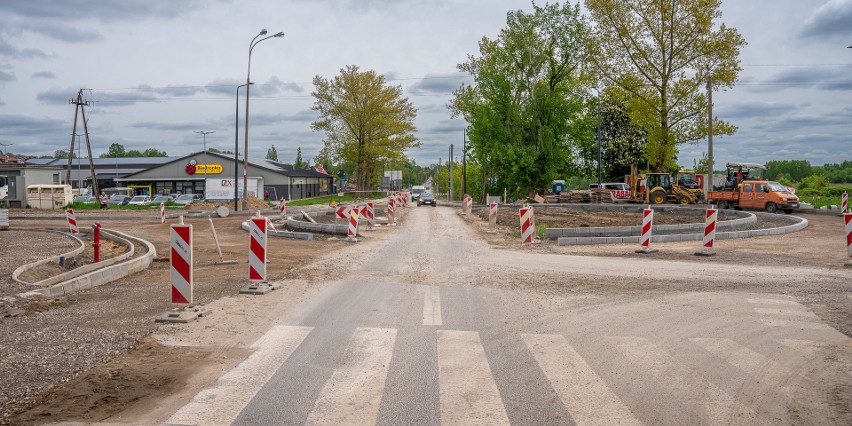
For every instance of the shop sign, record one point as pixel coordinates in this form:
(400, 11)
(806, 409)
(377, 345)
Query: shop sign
(193, 168)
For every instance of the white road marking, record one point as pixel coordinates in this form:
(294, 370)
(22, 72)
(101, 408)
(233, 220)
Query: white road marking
(354, 392)
(468, 393)
(786, 312)
(802, 325)
(716, 404)
(737, 355)
(432, 306)
(761, 301)
(223, 402)
(587, 398)
(805, 347)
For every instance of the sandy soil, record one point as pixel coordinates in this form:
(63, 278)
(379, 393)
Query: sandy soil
(120, 380)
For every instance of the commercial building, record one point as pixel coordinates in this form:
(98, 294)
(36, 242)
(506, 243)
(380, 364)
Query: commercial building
(17, 176)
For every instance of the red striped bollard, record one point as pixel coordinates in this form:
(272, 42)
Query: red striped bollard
(181, 264)
(352, 230)
(163, 213)
(96, 242)
(492, 216)
(257, 249)
(370, 216)
(282, 208)
(527, 227)
(847, 218)
(468, 205)
(391, 208)
(72, 221)
(709, 233)
(844, 203)
(647, 224)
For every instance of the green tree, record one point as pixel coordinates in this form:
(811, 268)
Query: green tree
(116, 150)
(663, 52)
(299, 163)
(219, 151)
(154, 152)
(526, 97)
(366, 122)
(794, 170)
(63, 153)
(622, 141)
(272, 154)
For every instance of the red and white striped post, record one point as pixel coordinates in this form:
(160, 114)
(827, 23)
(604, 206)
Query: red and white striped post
(527, 227)
(391, 208)
(163, 213)
(647, 224)
(844, 203)
(468, 204)
(257, 249)
(352, 230)
(370, 216)
(72, 221)
(847, 218)
(282, 208)
(181, 263)
(492, 216)
(709, 233)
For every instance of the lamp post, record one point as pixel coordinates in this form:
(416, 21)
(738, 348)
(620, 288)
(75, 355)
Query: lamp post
(204, 133)
(253, 43)
(6, 150)
(237, 148)
(598, 137)
(464, 161)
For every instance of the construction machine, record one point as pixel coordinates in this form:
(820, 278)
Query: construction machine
(661, 188)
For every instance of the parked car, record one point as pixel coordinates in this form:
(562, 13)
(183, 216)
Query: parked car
(140, 200)
(416, 191)
(85, 199)
(119, 200)
(427, 198)
(186, 199)
(161, 199)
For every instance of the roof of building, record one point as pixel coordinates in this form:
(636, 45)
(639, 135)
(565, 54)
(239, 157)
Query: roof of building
(105, 162)
(285, 169)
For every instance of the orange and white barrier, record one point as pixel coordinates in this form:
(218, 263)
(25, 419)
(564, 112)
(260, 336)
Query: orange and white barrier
(181, 263)
(492, 215)
(847, 218)
(352, 230)
(370, 216)
(72, 221)
(647, 225)
(257, 249)
(162, 212)
(710, 220)
(844, 203)
(527, 226)
(282, 207)
(391, 208)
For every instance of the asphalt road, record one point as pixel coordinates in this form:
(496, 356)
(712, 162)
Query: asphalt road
(409, 335)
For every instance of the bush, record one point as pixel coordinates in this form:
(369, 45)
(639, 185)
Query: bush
(815, 182)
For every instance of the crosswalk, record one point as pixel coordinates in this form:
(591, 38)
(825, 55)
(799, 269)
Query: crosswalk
(612, 381)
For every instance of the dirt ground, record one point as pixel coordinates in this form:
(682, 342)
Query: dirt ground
(90, 355)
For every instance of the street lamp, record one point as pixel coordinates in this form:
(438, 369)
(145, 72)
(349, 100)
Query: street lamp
(237, 148)
(204, 133)
(464, 161)
(253, 43)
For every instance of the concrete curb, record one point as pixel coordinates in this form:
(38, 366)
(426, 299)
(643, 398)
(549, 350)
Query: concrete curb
(326, 228)
(55, 259)
(103, 275)
(798, 224)
(745, 218)
(298, 235)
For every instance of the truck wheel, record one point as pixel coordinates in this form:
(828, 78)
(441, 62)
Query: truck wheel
(771, 207)
(658, 197)
(723, 205)
(683, 199)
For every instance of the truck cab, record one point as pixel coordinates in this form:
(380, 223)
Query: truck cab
(767, 195)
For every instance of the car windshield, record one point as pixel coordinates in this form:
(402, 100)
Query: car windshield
(776, 187)
(427, 195)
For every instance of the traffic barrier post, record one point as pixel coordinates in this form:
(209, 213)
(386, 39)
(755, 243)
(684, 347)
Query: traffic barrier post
(847, 218)
(257, 249)
(180, 263)
(391, 208)
(96, 242)
(72, 221)
(710, 220)
(527, 229)
(352, 229)
(370, 216)
(647, 225)
(163, 213)
(492, 216)
(282, 208)
(844, 203)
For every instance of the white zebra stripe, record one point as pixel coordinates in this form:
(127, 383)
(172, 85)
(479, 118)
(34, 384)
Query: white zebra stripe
(432, 306)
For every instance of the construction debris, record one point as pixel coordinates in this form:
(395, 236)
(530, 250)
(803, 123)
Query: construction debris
(593, 196)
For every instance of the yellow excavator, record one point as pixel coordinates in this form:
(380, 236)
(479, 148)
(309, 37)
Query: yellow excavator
(661, 188)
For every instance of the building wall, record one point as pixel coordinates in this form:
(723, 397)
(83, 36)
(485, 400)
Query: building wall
(23, 176)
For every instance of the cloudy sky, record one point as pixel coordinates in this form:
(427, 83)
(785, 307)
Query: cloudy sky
(157, 71)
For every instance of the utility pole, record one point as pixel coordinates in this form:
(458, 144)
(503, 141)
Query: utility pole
(464, 162)
(80, 105)
(6, 150)
(709, 184)
(450, 165)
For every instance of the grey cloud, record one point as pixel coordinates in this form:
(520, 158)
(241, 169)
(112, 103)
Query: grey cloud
(755, 110)
(225, 87)
(439, 83)
(7, 49)
(2, 103)
(43, 74)
(449, 128)
(154, 125)
(4, 76)
(104, 98)
(100, 10)
(66, 33)
(24, 125)
(832, 19)
(823, 78)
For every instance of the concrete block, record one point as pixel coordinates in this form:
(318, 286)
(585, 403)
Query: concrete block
(181, 315)
(259, 289)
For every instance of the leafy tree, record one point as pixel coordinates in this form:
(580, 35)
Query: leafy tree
(63, 153)
(794, 170)
(663, 52)
(219, 151)
(299, 163)
(116, 150)
(622, 141)
(133, 153)
(526, 96)
(154, 152)
(272, 154)
(366, 122)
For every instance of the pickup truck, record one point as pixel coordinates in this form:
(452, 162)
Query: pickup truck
(756, 194)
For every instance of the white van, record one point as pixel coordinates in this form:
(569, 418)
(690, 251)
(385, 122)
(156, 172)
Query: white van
(416, 190)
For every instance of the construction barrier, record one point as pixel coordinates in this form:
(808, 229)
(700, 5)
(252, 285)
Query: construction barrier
(352, 230)
(710, 220)
(282, 207)
(257, 249)
(343, 211)
(181, 263)
(844, 203)
(96, 242)
(162, 212)
(468, 204)
(370, 216)
(527, 227)
(391, 208)
(72, 221)
(492, 215)
(4, 219)
(647, 225)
